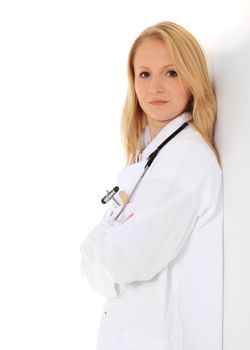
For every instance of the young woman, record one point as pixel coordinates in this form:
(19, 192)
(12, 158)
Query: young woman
(157, 254)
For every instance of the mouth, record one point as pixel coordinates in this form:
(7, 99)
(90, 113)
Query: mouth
(158, 102)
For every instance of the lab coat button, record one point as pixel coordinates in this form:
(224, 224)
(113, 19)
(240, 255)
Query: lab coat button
(105, 313)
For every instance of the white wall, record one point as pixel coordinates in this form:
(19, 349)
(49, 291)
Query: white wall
(232, 76)
(62, 87)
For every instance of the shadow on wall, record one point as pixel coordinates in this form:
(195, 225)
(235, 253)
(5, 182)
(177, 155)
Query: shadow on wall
(231, 71)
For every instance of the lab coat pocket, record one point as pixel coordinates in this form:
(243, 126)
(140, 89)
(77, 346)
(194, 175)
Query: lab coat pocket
(114, 209)
(133, 341)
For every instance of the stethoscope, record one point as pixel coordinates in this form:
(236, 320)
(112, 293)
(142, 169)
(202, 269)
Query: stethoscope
(150, 159)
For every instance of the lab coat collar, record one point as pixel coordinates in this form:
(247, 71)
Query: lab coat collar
(173, 125)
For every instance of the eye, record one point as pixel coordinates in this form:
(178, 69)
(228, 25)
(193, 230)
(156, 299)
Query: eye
(171, 73)
(144, 75)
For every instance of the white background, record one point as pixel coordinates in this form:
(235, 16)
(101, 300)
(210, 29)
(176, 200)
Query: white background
(62, 88)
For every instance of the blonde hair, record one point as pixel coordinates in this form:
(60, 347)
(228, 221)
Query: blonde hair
(191, 66)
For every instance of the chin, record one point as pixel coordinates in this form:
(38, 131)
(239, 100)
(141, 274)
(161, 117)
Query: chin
(161, 118)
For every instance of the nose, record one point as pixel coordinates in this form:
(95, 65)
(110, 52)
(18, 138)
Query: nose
(156, 86)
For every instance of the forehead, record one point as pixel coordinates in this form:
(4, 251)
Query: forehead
(152, 51)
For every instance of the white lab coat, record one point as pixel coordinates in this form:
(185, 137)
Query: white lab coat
(162, 269)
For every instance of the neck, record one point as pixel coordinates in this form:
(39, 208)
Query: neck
(155, 127)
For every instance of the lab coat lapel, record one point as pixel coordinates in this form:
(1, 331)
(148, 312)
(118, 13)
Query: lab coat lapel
(130, 174)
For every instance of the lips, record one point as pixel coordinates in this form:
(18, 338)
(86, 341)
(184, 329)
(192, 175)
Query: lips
(158, 102)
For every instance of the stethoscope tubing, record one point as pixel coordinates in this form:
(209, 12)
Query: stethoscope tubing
(150, 160)
(131, 194)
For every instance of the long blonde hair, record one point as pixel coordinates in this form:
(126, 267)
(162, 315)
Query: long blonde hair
(191, 66)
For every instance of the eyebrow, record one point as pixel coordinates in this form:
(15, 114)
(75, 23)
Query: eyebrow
(167, 65)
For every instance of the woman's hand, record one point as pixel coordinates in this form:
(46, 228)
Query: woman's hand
(129, 216)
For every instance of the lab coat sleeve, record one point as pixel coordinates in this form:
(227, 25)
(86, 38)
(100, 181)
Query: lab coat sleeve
(101, 284)
(165, 215)
(94, 275)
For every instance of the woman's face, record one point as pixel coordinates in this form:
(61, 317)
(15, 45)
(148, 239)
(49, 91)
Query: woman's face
(159, 89)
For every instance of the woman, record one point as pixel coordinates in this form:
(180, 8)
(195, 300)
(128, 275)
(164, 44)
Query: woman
(157, 255)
